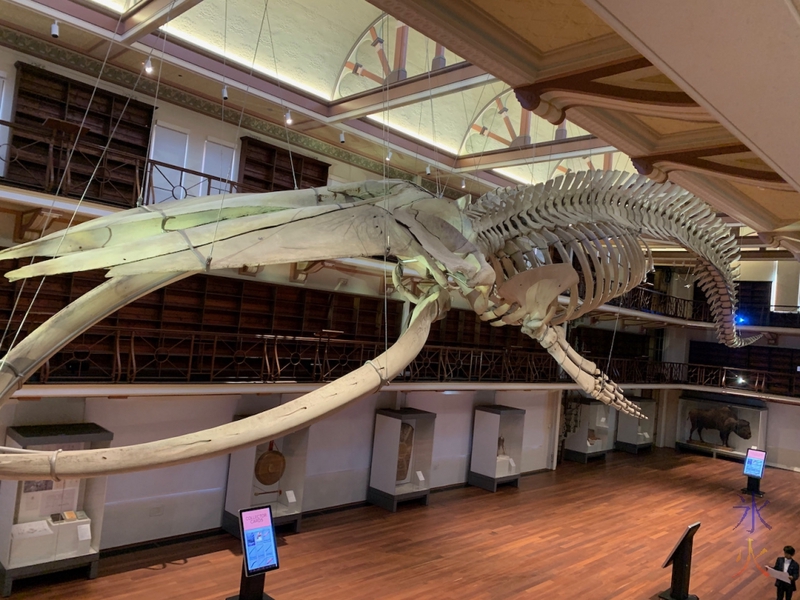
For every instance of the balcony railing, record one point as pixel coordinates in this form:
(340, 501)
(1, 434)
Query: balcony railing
(122, 356)
(168, 182)
(38, 158)
(647, 300)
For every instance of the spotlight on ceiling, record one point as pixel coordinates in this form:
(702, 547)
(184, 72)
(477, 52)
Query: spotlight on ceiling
(463, 183)
(740, 380)
(288, 117)
(389, 156)
(428, 170)
(54, 29)
(224, 92)
(341, 138)
(148, 66)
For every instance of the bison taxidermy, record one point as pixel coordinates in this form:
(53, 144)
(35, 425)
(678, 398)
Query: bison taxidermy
(722, 419)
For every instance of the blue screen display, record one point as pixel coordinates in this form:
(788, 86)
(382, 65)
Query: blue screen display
(754, 463)
(258, 540)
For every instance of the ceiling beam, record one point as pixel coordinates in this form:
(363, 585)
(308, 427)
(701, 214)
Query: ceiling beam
(443, 161)
(701, 159)
(535, 153)
(152, 15)
(680, 255)
(448, 80)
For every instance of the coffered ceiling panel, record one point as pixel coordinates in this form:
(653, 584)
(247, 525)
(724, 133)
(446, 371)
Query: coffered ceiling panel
(553, 24)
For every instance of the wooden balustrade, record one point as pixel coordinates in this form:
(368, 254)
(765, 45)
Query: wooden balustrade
(115, 355)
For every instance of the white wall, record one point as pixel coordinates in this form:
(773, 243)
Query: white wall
(163, 502)
(783, 436)
(787, 283)
(339, 454)
(452, 437)
(751, 270)
(452, 443)
(201, 128)
(667, 426)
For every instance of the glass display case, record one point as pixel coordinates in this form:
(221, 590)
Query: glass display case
(496, 446)
(720, 428)
(594, 435)
(401, 457)
(271, 474)
(635, 435)
(51, 525)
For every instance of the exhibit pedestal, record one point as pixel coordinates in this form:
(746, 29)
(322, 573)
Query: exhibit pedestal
(401, 457)
(635, 435)
(496, 447)
(390, 501)
(490, 483)
(48, 526)
(594, 435)
(7, 576)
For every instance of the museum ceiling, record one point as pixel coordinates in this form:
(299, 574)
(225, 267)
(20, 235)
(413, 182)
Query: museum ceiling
(684, 90)
(493, 93)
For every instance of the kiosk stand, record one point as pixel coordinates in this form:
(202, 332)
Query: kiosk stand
(259, 552)
(681, 560)
(754, 469)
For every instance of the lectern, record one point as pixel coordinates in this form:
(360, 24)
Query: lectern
(681, 560)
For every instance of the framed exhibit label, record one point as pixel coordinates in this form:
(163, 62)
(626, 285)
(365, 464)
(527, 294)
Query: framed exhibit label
(259, 545)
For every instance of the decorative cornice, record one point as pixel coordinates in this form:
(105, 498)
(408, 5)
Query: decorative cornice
(63, 57)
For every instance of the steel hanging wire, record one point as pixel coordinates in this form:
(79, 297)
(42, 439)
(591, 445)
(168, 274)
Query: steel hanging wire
(83, 194)
(264, 17)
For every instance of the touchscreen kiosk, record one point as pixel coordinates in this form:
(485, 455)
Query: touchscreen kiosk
(754, 463)
(258, 540)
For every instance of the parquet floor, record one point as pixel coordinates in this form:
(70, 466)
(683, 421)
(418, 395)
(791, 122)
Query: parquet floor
(597, 531)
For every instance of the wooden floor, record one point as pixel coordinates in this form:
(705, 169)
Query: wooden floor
(596, 531)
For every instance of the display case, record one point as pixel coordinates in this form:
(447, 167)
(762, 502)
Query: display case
(51, 525)
(401, 457)
(720, 428)
(594, 435)
(273, 473)
(635, 435)
(496, 446)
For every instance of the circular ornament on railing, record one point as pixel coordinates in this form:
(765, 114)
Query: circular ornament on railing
(179, 192)
(13, 153)
(343, 360)
(294, 359)
(81, 353)
(239, 357)
(161, 355)
(103, 175)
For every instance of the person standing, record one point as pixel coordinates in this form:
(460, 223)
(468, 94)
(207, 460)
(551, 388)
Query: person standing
(788, 565)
